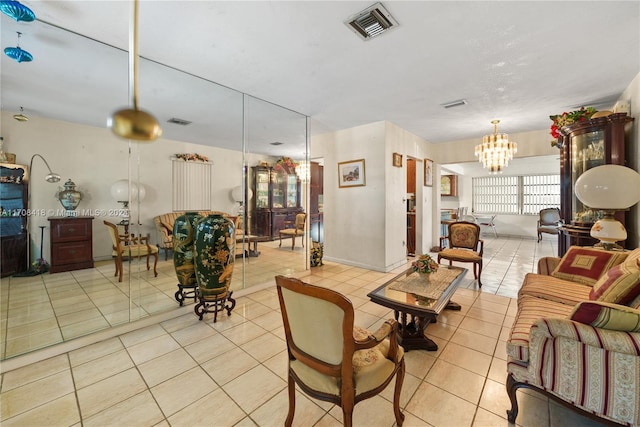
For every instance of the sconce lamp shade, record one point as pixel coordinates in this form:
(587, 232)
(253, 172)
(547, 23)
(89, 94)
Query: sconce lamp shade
(120, 191)
(609, 187)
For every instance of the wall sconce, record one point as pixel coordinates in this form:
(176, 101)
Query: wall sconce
(609, 188)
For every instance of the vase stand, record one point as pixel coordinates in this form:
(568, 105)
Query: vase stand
(182, 293)
(214, 304)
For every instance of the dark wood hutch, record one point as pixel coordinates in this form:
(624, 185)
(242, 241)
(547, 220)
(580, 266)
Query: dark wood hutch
(276, 199)
(13, 218)
(585, 145)
(316, 195)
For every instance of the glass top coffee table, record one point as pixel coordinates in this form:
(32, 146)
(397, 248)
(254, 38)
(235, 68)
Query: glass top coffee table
(417, 301)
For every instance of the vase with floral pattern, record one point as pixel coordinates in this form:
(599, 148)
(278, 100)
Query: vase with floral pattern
(183, 254)
(215, 252)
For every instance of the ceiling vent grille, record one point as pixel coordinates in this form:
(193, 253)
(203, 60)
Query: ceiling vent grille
(458, 103)
(372, 21)
(177, 121)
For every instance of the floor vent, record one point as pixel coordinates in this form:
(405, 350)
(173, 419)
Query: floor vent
(372, 21)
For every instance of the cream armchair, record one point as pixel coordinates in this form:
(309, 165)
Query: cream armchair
(331, 360)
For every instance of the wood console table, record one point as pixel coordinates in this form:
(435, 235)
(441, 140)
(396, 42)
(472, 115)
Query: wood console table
(71, 243)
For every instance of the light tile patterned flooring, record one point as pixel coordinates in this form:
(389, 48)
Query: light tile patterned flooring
(185, 372)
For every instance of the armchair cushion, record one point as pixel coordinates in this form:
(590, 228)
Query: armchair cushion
(586, 265)
(620, 284)
(608, 316)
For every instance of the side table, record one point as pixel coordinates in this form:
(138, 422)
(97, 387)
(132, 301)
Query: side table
(71, 243)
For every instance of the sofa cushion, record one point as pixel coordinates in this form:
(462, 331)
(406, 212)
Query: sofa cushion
(586, 265)
(530, 309)
(619, 285)
(554, 289)
(605, 315)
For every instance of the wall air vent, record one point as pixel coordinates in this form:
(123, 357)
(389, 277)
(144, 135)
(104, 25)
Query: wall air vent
(177, 121)
(372, 21)
(458, 103)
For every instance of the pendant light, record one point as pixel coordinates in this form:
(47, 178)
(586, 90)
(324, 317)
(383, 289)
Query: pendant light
(496, 150)
(18, 54)
(17, 11)
(133, 123)
(21, 117)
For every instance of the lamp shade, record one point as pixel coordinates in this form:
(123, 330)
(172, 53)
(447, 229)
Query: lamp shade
(609, 187)
(120, 191)
(236, 194)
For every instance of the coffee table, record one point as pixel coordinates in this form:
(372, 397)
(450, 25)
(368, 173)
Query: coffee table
(417, 301)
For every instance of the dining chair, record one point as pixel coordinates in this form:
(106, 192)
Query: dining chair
(329, 358)
(464, 245)
(487, 221)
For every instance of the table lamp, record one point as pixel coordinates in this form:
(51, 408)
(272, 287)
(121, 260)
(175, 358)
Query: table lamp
(609, 188)
(236, 194)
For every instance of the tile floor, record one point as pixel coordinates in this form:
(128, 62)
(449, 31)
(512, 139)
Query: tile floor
(185, 372)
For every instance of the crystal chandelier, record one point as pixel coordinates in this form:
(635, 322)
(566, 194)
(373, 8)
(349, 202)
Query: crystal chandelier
(496, 150)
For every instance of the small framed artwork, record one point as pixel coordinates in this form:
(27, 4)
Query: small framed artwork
(428, 172)
(351, 173)
(397, 160)
(448, 185)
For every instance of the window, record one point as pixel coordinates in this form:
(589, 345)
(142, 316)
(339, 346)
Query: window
(515, 194)
(191, 186)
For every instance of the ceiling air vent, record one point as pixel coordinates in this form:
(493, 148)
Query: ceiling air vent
(372, 21)
(177, 121)
(458, 103)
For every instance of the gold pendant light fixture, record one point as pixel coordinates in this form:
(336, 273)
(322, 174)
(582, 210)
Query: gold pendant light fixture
(21, 117)
(133, 123)
(496, 150)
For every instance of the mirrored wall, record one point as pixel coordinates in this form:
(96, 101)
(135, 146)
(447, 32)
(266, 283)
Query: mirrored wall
(67, 93)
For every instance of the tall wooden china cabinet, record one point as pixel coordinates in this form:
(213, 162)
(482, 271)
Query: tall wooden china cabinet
(276, 199)
(13, 218)
(586, 144)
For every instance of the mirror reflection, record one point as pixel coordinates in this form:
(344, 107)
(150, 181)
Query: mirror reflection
(218, 150)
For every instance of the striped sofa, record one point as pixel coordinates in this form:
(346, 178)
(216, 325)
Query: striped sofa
(576, 335)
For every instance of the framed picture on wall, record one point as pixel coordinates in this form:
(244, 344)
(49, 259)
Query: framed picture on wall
(351, 173)
(397, 160)
(428, 172)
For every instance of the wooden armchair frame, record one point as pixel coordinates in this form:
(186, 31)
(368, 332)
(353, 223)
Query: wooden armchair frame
(127, 246)
(464, 247)
(319, 329)
(296, 229)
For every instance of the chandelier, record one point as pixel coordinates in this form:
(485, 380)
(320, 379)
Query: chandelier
(496, 150)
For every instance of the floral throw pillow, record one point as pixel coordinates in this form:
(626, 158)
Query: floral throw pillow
(587, 265)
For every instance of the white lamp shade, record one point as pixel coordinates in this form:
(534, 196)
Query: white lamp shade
(120, 191)
(609, 187)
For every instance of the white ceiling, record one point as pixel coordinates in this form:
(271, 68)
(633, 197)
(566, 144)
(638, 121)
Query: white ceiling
(518, 61)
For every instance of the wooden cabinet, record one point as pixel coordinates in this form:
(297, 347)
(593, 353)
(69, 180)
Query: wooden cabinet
(13, 219)
(411, 176)
(71, 243)
(585, 145)
(276, 200)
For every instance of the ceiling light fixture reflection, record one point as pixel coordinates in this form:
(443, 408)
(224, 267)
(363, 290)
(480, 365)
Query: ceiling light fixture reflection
(17, 54)
(17, 11)
(21, 117)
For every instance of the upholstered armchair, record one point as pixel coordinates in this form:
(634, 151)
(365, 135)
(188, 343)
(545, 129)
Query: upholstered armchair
(549, 222)
(464, 245)
(331, 360)
(293, 229)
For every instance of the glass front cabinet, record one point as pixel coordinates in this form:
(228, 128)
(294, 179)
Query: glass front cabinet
(13, 218)
(276, 200)
(585, 145)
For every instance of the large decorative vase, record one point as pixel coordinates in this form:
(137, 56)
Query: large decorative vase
(184, 231)
(215, 249)
(69, 197)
